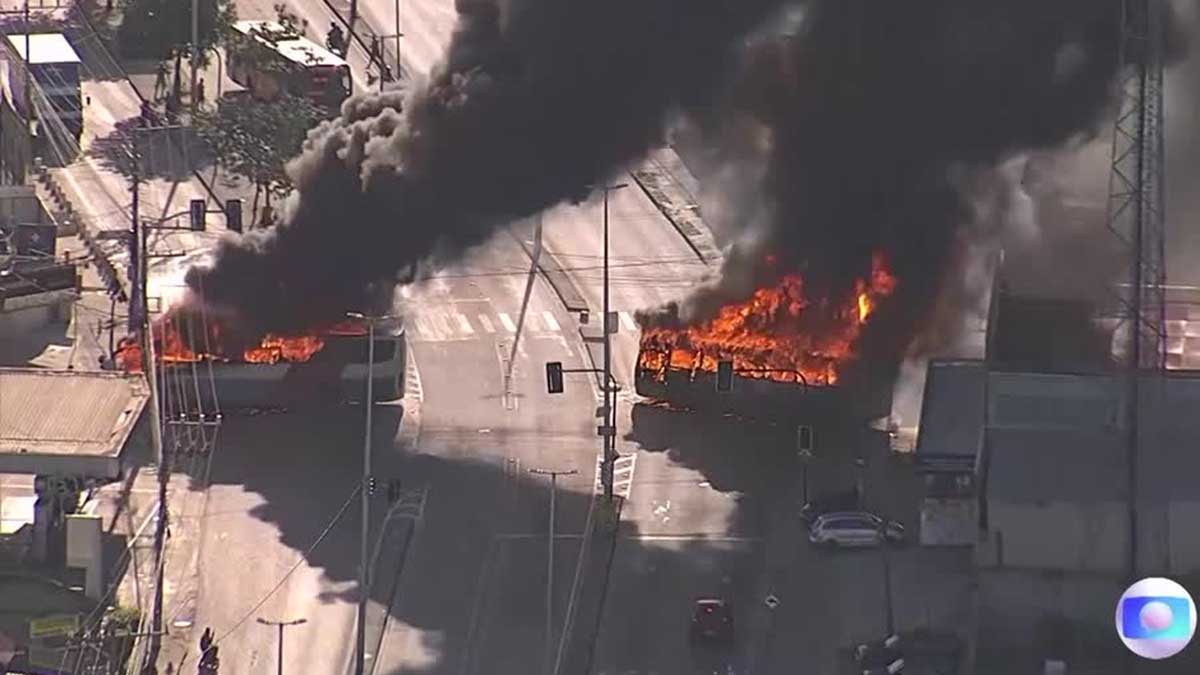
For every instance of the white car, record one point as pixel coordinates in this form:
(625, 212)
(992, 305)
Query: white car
(854, 529)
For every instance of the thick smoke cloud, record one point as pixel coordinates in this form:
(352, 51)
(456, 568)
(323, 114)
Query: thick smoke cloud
(852, 126)
(536, 101)
(893, 127)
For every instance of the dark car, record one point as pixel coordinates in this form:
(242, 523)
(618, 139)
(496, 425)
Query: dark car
(712, 621)
(838, 501)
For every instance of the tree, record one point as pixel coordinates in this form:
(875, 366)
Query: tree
(162, 30)
(254, 139)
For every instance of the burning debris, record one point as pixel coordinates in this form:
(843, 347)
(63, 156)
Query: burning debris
(773, 334)
(176, 341)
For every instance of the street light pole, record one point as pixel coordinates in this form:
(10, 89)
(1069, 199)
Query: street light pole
(195, 51)
(610, 419)
(360, 652)
(548, 663)
(281, 625)
(398, 36)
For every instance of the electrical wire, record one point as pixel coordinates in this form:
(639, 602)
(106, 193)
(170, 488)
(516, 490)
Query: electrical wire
(303, 557)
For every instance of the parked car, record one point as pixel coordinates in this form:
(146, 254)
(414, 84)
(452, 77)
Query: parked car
(712, 621)
(854, 529)
(846, 500)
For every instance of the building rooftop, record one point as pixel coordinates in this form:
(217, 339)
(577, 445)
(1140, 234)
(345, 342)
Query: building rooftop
(45, 47)
(1061, 437)
(48, 415)
(952, 414)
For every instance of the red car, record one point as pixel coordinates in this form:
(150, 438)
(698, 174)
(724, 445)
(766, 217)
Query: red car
(712, 621)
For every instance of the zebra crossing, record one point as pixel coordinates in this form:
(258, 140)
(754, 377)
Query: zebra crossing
(622, 475)
(434, 324)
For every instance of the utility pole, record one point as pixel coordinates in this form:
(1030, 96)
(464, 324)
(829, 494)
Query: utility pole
(25, 78)
(281, 625)
(399, 65)
(195, 52)
(364, 591)
(144, 330)
(548, 658)
(535, 257)
(608, 429)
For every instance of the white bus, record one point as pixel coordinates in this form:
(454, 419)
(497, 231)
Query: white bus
(269, 60)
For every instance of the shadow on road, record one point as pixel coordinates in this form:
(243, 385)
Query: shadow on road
(169, 152)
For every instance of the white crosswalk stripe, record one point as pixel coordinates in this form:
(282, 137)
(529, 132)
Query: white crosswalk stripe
(443, 324)
(507, 321)
(622, 475)
(627, 322)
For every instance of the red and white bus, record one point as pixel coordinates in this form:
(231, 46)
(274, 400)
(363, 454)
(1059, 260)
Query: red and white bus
(269, 59)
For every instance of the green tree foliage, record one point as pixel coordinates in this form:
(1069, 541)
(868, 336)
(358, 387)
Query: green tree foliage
(162, 29)
(254, 139)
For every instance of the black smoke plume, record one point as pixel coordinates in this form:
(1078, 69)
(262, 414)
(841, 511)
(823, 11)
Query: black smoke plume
(535, 101)
(869, 112)
(884, 120)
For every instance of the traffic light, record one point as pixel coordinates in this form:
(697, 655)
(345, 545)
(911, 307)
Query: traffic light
(233, 215)
(725, 376)
(554, 377)
(371, 486)
(198, 209)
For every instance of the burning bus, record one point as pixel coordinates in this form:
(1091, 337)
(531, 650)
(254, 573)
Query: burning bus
(325, 365)
(783, 359)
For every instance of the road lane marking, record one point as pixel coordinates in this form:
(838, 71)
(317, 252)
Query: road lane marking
(486, 323)
(507, 321)
(464, 324)
(627, 322)
(424, 327)
(551, 324)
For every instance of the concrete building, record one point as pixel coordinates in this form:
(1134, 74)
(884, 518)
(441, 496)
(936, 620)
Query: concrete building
(1040, 462)
(72, 430)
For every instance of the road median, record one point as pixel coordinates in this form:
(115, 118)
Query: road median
(577, 650)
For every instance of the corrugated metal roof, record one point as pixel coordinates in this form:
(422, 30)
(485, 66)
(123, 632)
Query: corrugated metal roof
(68, 412)
(45, 47)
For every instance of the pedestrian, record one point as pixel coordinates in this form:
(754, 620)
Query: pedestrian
(376, 51)
(206, 640)
(160, 80)
(199, 93)
(147, 115)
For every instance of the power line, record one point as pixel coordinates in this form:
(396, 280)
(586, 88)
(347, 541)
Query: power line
(328, 528)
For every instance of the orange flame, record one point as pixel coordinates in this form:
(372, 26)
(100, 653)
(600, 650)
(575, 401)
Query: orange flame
(171, 347)
(764, 336)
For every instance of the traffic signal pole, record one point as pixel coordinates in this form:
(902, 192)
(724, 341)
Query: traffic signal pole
(608, 428)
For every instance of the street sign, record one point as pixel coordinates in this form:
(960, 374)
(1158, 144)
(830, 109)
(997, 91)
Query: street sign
(51, 626)
(771, 602)
(606, 431)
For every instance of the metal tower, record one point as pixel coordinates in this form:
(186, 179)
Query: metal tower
(1136, 219)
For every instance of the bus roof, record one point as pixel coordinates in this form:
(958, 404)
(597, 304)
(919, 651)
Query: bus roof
(298, 50)
(45, 47)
